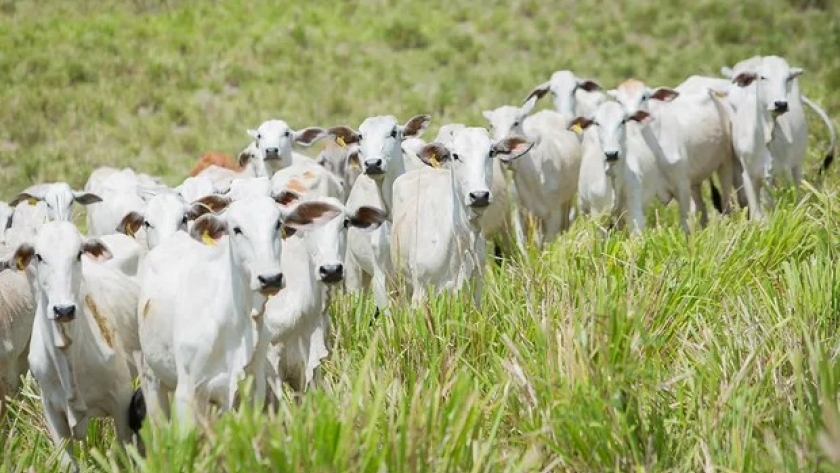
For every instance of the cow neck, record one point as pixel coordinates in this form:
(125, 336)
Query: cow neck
(396, 168)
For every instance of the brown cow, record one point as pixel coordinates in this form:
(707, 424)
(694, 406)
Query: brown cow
(212, 158)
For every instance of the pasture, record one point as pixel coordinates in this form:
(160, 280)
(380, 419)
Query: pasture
(657, 353)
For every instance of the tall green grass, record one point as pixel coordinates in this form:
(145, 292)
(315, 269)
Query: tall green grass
(661, 353)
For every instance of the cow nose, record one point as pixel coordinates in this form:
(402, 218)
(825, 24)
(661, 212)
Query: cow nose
(64, 313)
(781, 106)
(272, 151)
(612, 156)
(480, 198)
(374, 166)
(272, 281)
(331, 272)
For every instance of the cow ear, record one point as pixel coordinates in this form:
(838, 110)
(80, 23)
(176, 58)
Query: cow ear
(245, 156)
(512, 147)
(434, 154)
(744, 79)
(367, 218)
(310, 214)
(97, 250)
(208, 229)
(20, 259)
(641, 116)
(539, 91)
(579, 124)
(664, 94)
(286, 197)
(215, 202)
(795, 72)
(23, 196)
(309, 136)
(415, 126)
(86, 198)
(344, 135)
(589, 85)
(130, 224)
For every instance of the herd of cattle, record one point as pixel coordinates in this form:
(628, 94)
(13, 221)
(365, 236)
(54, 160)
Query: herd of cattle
(229, 274)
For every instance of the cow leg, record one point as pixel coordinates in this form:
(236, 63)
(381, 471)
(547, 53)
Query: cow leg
(727, 181)
(700, 204)
(635, 209)
(60, 432)
(752, 188)
(353, 275)
(380, 289)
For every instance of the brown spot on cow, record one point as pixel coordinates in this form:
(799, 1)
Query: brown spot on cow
(296, 186)
(106, 331)
(212, 158)
(308, 175)
(146, 307)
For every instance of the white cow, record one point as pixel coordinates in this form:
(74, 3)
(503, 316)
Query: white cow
(58, 197)
(630, 159)
(342, 160)
(297, 317)
(118, 191)
(309, 178)
(17, 312)
(272, 146)
(436, 240)
(201, 304)
(783, 99)
(546, 179)
(572, 95)
(752, 129)
(75, 355)
(380, 154)
(194, 188)
(691, 137)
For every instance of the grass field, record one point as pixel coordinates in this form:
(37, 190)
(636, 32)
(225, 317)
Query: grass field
(655, 354)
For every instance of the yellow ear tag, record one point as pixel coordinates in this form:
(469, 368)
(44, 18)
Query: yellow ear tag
(355, 164)
(285, 233)
(32, 201)
(207, 239)
(19, 263)
(340, 141)
(128, 230)
(577, 128)
(434, 160)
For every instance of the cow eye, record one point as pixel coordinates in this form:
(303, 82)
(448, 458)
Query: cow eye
(394, 133)
(79, 256)
(259, 136)
(288, 133)
(147, 224)
(762, 78)
(456, 157)
(516, 123)
(38, 257)
(277, 227)
(346, 223)
(237, 230)
(184, 220)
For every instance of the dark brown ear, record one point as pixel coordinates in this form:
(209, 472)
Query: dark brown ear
(245, 156)
(579, 124)
(416, 125)
(96, 250)
(539, 91)
(286, 197)
(641, 116)
(367, 217)
(745, 78)
(308, 136)
(344, 135)
(22, 197)
(208, 229)
(309, 214)
(589, 85)
(130, 224)
(215, 202)
(434, 154)
(20, 259)
(86, 198)
(664, 94)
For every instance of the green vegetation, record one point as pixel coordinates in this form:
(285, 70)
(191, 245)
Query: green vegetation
(716, 354)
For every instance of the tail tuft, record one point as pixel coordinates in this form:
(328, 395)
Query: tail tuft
(136, 411)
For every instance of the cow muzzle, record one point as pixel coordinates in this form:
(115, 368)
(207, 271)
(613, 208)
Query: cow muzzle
(611, 156)
(374, 167)
(64, 313)
(331, 273)
(780, 107)
(479, 199)
(271, 284)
